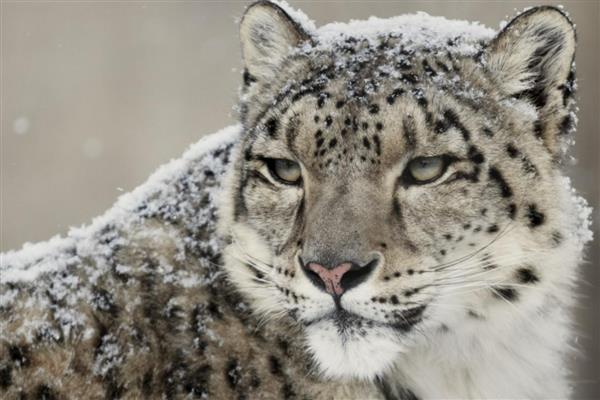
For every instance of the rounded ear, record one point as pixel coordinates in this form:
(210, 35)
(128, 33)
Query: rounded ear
(268, 34)
(533, 54)
(532, 59)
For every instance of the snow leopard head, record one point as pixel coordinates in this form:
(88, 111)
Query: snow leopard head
(400, 179)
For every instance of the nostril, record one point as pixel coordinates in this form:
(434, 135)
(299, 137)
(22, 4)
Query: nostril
(339, 279)
(357, 274)
(311, 275)
(314, 278)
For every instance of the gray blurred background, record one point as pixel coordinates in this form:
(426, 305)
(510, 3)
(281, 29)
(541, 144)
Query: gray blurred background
(97, 94)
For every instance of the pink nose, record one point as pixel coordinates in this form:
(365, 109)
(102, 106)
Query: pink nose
(331, 277)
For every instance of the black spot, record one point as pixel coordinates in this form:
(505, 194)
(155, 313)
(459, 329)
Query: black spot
(248, 155)
(365, 125)
(288, 391)
(321, 99)
(512, 210)
(377, 142)
(427, 68)
(475, 155)
(512, 151)
(339, 104)
(442, 66)
(332, 143)
(566, 125)
(232, 372)
(44, 392)
(536, 218)
(114, 390)
(396, 93)
(366, 142)
(272, 125)
(421, 100)
(19, 355)
(496, 176)
(275, 365)
(317, 118)
(5, 376)
(379, 126)
(441, 126)
(536, 95)
(493, 228)
(147, 383)
(505, 293)
(347, 121)
(373, 109)
(538, 128)
(474, 315)
(320, 142)
(248, 78)
(394, 299)
(527, 275)
(328, 121)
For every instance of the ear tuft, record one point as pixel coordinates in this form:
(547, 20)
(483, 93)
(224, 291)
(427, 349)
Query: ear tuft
(533, 54)
(268, 34)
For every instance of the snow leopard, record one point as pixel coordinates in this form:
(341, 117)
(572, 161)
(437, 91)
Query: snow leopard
(389, 220)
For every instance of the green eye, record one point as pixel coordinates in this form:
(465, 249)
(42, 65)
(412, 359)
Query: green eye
(286, 171)
(426, 169)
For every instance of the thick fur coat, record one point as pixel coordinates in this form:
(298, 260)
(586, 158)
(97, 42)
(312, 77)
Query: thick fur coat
(389, 220)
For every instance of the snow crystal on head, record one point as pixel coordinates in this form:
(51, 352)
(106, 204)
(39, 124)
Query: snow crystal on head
(418, 30)
(297, 15)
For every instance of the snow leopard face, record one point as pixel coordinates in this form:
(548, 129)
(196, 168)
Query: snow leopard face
(400, 186)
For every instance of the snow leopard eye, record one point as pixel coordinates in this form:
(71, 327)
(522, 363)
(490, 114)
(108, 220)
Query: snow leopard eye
(285, 171)
(426, 169)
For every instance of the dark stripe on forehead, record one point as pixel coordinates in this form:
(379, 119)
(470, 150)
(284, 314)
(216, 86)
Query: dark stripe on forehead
(291, 132)
(496, 176)
(452, 119)
(271, 125)
(409, 131)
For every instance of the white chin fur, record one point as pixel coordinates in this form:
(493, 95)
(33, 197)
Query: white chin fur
(354, 356)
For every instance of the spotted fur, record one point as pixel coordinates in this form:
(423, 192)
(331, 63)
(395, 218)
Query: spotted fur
(475, 272)
(471, 291)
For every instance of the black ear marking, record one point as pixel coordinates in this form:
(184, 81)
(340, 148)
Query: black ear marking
(534, 51)
(531, 59)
